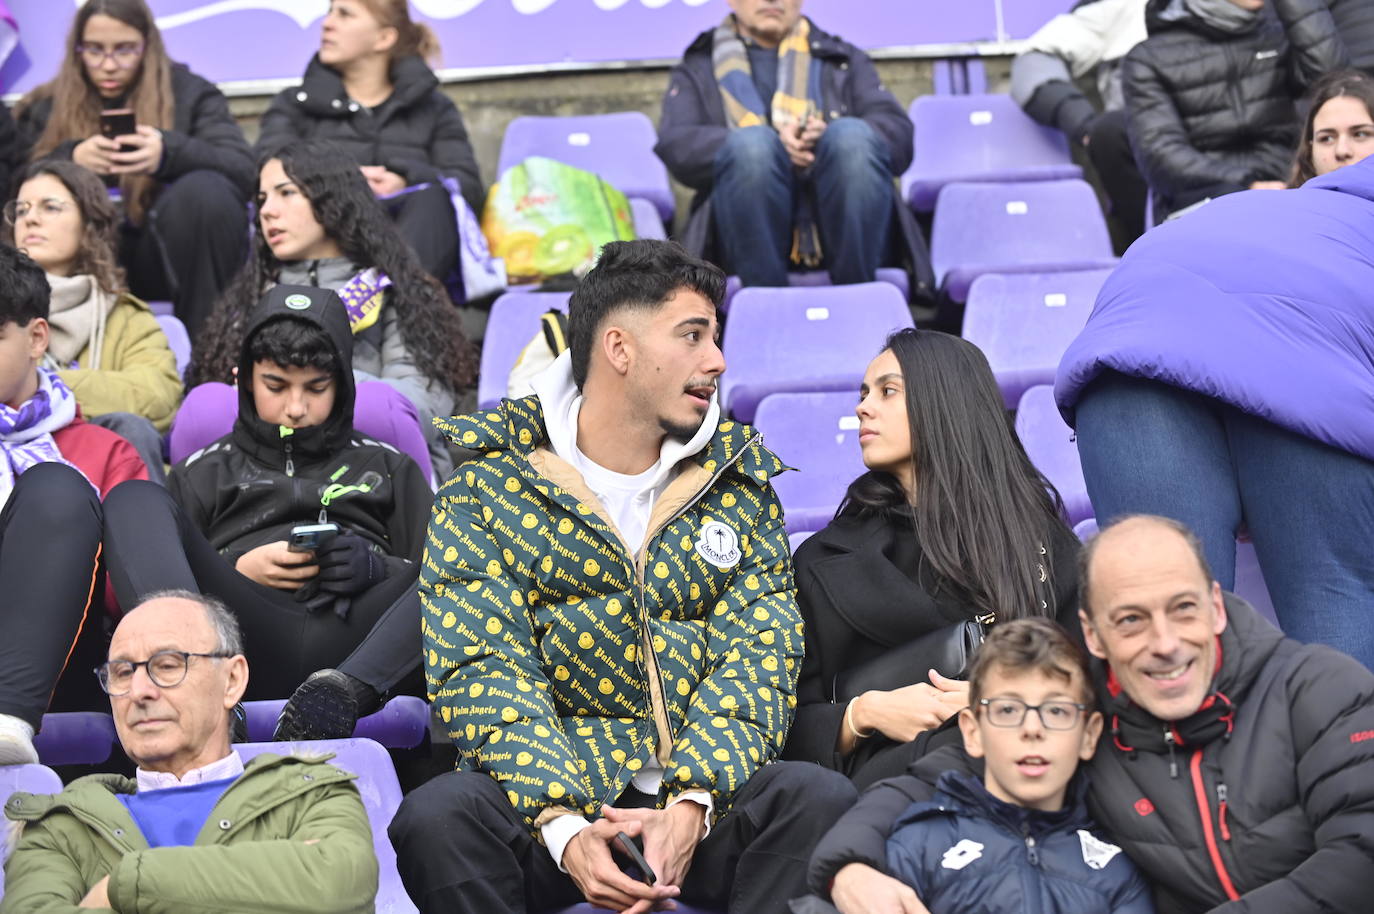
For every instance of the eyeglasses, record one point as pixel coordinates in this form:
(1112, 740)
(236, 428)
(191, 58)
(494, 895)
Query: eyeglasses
(1011, 712)
(125, 56)
(17, 210)
(167, 670)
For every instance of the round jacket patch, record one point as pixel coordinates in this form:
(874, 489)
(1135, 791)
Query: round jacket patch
(718, 544)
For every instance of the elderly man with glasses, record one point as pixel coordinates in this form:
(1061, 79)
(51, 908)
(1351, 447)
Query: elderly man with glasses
(196, 829)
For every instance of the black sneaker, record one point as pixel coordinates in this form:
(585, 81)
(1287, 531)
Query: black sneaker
(325, 706)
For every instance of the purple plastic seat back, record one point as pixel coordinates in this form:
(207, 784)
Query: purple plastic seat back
(1023, 322)
(585, 908)
(619, 147)
(381, 793)
(1250, 584)
(75, 738)
(799, 339)
(177, 339)
(893, 276)
(818, 435)
(402, 723)
(1023, 227)
(161, 307)
(514, 322)
(796, 539)
(21, 779)
(1050, 445)
(979, 138)
(648, 223)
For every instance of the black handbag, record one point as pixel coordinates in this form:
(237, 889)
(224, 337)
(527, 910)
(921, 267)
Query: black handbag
(948, 651)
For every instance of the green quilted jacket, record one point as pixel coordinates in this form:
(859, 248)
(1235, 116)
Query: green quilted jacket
(252, 855)
(562, 661)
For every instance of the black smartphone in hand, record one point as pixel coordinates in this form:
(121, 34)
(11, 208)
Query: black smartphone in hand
(310, 537)
(118, 122)
(627, 844)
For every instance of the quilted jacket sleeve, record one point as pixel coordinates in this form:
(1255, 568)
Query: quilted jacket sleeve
(139, 374)
(1315, 41)
(740, 713)
(1331, 710)
(482, 668)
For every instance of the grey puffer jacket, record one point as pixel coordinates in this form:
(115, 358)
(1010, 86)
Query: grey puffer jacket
(1215, 109)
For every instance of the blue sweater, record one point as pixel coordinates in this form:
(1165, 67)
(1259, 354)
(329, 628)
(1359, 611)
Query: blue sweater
(967, 851)
(174, 816)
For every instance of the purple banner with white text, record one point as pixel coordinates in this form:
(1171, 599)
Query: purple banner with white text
(265, 39)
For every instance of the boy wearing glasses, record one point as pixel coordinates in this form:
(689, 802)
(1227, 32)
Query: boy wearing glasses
(1021, 838)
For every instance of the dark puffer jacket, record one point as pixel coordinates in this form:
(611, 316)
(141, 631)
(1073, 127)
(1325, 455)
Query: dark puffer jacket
(203, 135)
(1273, 813)
(1354, 20)
(1210, 112)
(417, 132)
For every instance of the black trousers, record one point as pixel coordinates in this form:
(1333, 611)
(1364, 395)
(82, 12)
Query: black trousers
(49, 550)
(153, 546)
(193, 241)
(1109, 149)
(426, 221)
(462, 849)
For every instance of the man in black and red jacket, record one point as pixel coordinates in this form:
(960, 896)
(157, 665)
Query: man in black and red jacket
(1237, 765)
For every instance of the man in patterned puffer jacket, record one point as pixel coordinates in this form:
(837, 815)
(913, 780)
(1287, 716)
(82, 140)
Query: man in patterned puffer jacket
(610, 630)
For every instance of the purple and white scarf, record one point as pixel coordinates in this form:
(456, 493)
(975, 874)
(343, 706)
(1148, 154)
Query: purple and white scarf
(26, 433)
(363, 296)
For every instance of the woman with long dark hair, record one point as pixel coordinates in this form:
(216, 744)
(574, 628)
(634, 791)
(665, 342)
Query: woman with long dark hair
(184, 172)
(319, 225)
(370, 89)
(950, 523)
(1340, 125)
(104, 343)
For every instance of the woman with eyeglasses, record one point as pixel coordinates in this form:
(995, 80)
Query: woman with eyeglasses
(951, 523)
(371, 90)
(184, 170)
(104, 343)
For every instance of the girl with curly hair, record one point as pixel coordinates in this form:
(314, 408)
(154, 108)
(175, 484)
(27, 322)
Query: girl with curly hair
(105, 344)
(320, 225)
(184, 171)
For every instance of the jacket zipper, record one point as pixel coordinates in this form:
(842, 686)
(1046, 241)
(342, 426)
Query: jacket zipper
(290, 465)
(657, 703)
(1171, 743)
(1205, 813)
(1221, 812)
(1032, 854)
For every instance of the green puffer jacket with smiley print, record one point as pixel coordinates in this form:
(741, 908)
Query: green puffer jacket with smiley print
(563, 662)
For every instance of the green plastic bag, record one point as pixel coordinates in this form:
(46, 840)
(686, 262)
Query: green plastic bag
(545, 218)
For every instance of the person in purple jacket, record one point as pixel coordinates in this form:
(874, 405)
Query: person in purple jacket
(1226, 379)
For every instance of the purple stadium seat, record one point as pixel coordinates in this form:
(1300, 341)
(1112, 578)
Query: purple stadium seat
(787, 340)
(75, 738)
(960, 76)
(160, 307)
(1023, 322)
(818, 435)
(893, 276)
(619, 147)
(402, 723)
(979, 138)
(1028, 227)
(381, 793)
(796, 539)
(178, 339)
(648, 223)
(1050, 445)
(22, 779)
(1250, 584)
(585, 908)
(514, 322)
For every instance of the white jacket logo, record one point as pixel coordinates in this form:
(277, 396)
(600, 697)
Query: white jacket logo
(961, 854)
(718, 544)
(1096, 853)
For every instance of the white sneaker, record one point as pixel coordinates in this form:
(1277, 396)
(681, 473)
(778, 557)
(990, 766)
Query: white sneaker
(16, 742)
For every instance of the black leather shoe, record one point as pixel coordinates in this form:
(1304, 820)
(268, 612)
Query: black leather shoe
(325, 706)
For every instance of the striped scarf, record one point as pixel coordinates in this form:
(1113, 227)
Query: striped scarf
(26, 433)
(797, 98)
(363, 297)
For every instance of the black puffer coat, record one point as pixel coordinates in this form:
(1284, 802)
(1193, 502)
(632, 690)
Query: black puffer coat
(203, 135)
(418, 132)
(1216, 111)
(1294, 770)
(1354, 21)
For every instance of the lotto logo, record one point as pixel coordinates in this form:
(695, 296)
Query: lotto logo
(962, 854)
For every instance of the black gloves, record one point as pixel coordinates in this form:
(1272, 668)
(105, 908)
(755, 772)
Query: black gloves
(348, 566)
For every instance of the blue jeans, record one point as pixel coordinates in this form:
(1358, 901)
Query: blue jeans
(1148, 447)
(756, 187)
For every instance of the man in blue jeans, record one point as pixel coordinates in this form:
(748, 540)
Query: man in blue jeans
(789, 134)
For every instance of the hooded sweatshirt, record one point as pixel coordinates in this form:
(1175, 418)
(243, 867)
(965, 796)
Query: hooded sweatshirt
(256, 483)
